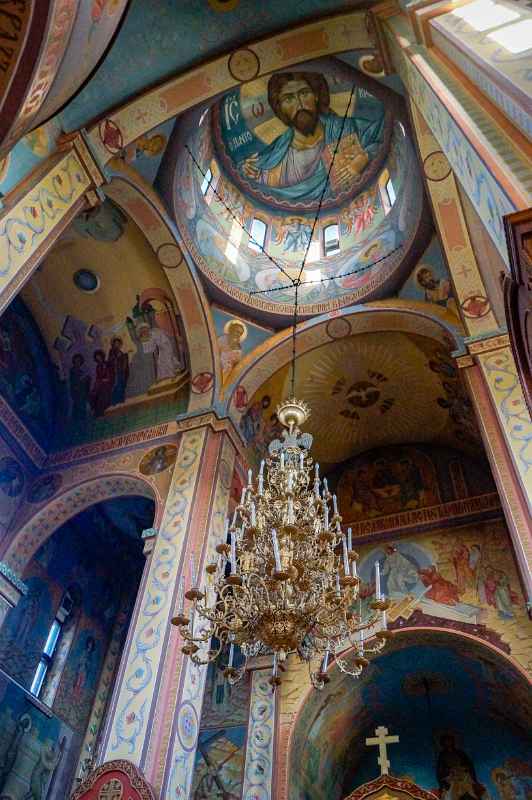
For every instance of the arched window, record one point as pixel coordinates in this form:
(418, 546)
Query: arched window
(390, 192)
(331, 239)
(207, 180)
(54, 643)
(233, 243)
(257, 235)
(387, 191)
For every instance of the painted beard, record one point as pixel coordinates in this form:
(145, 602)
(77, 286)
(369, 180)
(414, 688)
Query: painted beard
(305, 121)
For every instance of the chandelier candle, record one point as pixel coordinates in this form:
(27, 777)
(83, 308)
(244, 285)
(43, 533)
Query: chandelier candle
(293, 586)
(346, 557)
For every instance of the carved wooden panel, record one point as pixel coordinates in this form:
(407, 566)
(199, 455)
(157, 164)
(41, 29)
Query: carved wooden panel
(517, 289)
(115, 780)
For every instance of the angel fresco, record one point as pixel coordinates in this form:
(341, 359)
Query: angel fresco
(294, 234)
(105, 223)
(295, 165)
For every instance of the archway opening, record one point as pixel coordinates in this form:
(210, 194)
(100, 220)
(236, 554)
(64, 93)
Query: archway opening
(60, 646)
(440, 693)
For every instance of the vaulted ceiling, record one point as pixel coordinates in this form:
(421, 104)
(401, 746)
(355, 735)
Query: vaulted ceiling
(345, 193)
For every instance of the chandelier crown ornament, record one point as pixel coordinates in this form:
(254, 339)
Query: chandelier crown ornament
(286, 577)
(292, 413)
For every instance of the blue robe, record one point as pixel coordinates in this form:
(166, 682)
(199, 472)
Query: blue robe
(368, 125)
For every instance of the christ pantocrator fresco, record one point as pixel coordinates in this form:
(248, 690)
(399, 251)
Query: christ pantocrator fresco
(296, 163)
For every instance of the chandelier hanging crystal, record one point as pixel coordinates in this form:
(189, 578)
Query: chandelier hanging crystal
(286, 577)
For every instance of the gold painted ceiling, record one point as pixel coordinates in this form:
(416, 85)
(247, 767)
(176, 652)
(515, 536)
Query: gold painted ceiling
(367, 391)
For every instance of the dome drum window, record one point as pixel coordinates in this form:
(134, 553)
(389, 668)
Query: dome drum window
(331, 239)
(257, 235)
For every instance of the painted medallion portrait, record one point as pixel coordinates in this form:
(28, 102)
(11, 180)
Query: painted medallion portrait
(44, 488)
(158, 459)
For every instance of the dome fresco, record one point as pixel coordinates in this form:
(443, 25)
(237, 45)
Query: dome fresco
(252, 168)
(257, 127)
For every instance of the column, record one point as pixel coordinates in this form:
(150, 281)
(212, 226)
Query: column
(153, 719)
(258, 768)
(34, 217)
(495, 401)
(171, 772)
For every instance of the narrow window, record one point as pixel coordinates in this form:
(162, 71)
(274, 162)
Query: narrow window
(207, 180)
(331, 240)
(50, 646)
(385, 183)
(515, 38)
(485, 14)
(390, 191)
(257, 235)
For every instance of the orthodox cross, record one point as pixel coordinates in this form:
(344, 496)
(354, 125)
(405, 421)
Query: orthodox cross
(382, 739)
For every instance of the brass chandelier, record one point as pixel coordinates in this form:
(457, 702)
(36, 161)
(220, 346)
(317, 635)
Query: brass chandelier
(286, 578)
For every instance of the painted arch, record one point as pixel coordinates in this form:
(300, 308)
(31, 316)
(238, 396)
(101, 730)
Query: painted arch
(68, 504)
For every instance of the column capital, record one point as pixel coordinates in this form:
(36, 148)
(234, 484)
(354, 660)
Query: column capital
(216, 423)
(80, 143)
(481, 345)
(487, 343)
(148, 536)
(8, 578)
(12, 588)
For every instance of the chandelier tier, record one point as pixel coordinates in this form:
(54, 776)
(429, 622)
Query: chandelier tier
(286, 577)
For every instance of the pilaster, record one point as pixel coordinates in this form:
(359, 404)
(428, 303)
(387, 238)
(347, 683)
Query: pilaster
(293, 690)
(153, 718)
(37, 212)
(496, 394)
(260, 743)
(499, 371)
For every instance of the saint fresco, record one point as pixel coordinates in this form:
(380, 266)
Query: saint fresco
(112, 329)
(101, 377)
(468, 579)
(25, 381)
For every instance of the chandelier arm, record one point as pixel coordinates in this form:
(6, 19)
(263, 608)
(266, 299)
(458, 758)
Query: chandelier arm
(355, 671)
